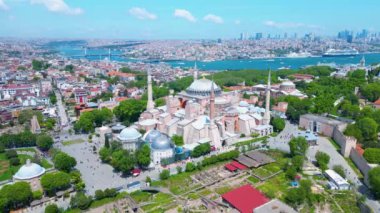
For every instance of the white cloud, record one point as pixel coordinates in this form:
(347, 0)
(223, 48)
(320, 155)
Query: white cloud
(180, 13)
(287, 25)
(213, 18)
(58, 6)
(142, 13)
(3, 6)
(237, 22)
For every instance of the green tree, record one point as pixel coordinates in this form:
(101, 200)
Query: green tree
(129, 110)
(165, 174)
(178, 140)
(52, 208)
(291, 172)
(298, 146)
(374, 180)
(297, 162)
(44, 142)
(352, 130)
(53, 182)
(322, 160)
(64, 162)
(200, 150)
(143, 156)
(105, 154)
(81, 201)
(17, 195)
(99, 194)
(372, 155)
(368, 128)
(190, 167)
(340, 170)
(278, 124)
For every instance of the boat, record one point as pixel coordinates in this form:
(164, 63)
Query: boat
(340, 53)
(298, 55)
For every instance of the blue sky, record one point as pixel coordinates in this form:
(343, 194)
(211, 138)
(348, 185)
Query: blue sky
(182, 19)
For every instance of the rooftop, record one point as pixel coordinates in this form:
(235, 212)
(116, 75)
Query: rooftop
(245, 198)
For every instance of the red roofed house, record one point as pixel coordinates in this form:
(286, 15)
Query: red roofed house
(245, 198)
(377, 104)
(123, 76)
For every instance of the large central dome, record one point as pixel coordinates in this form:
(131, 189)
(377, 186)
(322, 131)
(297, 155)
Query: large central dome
(203, 87)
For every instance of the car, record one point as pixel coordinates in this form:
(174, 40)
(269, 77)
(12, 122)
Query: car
(136, 172)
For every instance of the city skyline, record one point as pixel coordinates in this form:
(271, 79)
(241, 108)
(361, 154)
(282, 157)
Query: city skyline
(181, 20)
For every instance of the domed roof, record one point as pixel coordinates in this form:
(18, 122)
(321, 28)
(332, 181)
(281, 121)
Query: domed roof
(118, 127)
(162, 142)
(151, 135)
(129, 134)
(29, 171)
(287, 83)
(203, 87)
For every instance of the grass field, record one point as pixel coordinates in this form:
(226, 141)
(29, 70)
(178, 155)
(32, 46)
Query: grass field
(275, 187)
(75, 141)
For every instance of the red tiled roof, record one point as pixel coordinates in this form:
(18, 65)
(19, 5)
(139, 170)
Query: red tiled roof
(238, 165)
(245, 198)
(230, 168)
(377, 102)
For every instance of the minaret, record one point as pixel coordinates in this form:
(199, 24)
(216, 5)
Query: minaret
(212, 102)
(266, 119)
(195, 71)
(214, 133)
(150, 104)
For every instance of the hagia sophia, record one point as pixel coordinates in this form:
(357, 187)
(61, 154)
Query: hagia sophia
(203, 113)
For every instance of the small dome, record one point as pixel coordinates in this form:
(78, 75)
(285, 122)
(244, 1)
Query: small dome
(287, 83)
(203, 87)
(151, 135)
(29, 171)
(118, 127)
(162, 142)
(129, 134)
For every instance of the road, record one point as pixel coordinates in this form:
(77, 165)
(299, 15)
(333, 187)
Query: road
(64, 120)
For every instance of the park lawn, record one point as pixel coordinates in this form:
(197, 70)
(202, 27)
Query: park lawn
(223, 189)
(159, 200)
(275, 186)
(177, 184)
(346, 200)
(140, 196)
(27, 149)
(45, 163)
(7, 171)
(104, 201)
(71, 142)
(272, 167)
(262, 172)
(253, 180)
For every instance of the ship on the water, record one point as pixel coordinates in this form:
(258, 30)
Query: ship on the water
(298, 55)
(340, 53)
